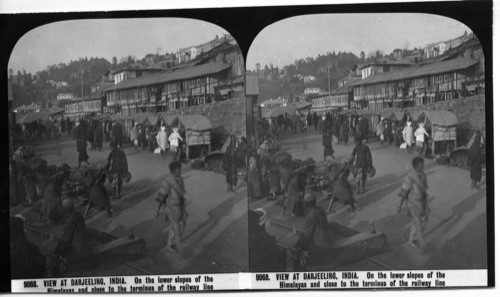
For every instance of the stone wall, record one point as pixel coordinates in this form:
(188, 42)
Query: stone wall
(470, 112)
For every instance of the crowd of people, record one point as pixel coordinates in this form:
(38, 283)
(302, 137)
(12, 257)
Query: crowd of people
(276, 173)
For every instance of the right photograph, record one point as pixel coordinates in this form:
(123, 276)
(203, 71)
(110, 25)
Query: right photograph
(367, 136)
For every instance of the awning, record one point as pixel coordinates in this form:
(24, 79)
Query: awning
(34, 117)
(224, 91)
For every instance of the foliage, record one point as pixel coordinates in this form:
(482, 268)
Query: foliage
(291, 79)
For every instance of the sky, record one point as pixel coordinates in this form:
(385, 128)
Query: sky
(62, 42)
(300, 37)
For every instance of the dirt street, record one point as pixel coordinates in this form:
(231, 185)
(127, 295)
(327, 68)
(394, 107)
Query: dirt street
(215, 238)
(456, 232)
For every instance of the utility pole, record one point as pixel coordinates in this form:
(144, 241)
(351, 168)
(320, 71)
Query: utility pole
(81, 80)
(328, 72)
(81, 83)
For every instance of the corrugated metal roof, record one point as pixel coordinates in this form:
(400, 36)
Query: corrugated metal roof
(440, 117)
(169, 76)
(252, 85)
(431, 69)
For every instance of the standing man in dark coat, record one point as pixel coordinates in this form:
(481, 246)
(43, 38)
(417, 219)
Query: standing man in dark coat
(81, 147)
(69, 125)
(363, 161)
(315, 121)
(98, 137)
(118, 166)
(475, 160)
(229, 164)
(117, 134)
(63, 125)
(344, 133)
(327, 145)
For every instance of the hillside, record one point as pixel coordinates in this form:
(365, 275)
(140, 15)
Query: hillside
(41, 86)
(290, 80)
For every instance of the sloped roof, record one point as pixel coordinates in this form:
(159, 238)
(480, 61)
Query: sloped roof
(348, 112)
(167, 118)
(141, 117)
(277, 111)
(116, 117)
(431, 69)
(33, 117)
(104, 87)
(163, 77)
(153, 118)
(195, 122)
(384, 61)
(301, 105)
(398, 115)
(136, 66)
(54, 110)
(187, 64)
(102, 117)
(387, 113)
(440, 117)
(345, 89)
(414, 113)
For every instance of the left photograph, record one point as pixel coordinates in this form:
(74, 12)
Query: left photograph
(127, 149)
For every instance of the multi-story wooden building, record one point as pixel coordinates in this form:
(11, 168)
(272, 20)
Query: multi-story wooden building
(170, 90)
(381, 66)
(415, 86)
(215, 75)
(337, 99)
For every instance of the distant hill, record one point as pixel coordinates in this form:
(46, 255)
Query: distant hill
(293, 79)
(41, 87)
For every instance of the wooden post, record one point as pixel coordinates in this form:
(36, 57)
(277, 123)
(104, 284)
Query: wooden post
(455, 140)
(187, 152)
(433, 142)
